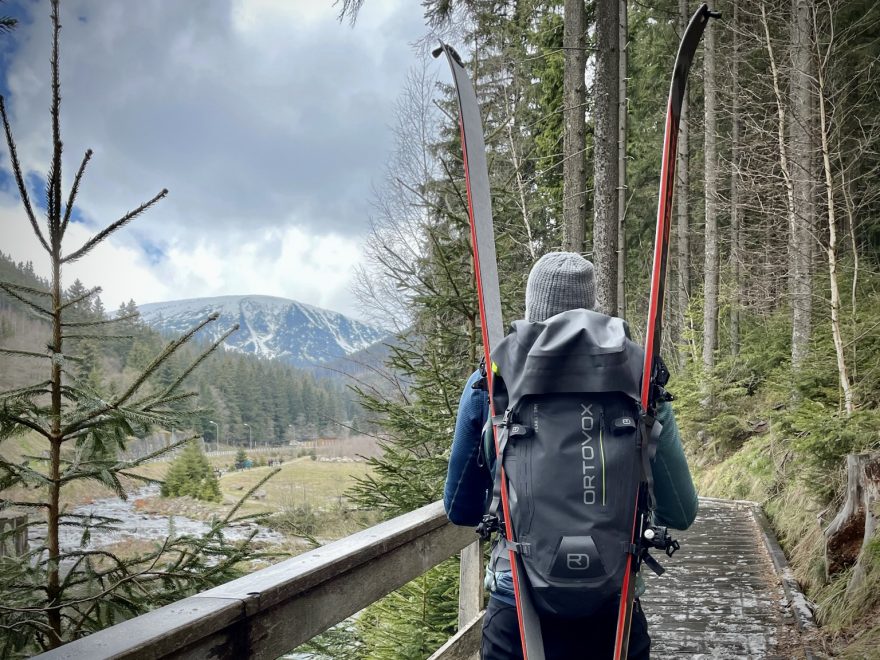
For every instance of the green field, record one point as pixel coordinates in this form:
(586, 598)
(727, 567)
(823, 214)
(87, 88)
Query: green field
(299, 482)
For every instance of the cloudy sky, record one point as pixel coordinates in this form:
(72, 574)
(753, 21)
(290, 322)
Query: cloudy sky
(267, 120)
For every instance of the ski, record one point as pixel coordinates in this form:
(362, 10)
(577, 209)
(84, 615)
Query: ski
(653, 375)
(476, 173)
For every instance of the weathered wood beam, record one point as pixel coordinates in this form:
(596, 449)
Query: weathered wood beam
(463, 645)
(271, 611)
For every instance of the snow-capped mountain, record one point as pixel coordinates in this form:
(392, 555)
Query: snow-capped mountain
(269, 327)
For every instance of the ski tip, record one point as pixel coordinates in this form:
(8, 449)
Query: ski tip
(449, 50)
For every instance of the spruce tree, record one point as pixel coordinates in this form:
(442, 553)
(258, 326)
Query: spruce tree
(54, 594)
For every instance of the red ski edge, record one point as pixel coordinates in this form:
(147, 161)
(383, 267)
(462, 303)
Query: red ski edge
(517, 587)
(490, 374)
(687, 48)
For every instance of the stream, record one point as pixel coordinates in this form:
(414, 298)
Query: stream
(140, 526)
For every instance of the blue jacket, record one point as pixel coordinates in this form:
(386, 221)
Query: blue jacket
(468, 487)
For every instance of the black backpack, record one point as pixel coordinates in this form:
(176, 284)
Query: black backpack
(566, 393)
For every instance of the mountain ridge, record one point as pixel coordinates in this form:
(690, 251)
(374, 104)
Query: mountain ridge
(269, 326)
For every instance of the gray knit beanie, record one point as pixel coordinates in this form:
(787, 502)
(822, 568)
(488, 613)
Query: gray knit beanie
(559, 281)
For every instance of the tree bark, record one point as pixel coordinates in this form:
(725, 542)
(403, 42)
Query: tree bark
(574, 176)
(623, 36)
(801, 149)
(710, 287)
(682, 180)
(605, 155)
(736, 250)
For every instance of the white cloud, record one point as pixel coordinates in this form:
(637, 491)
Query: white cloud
(122, 271)
(288, 262)
(267, 120)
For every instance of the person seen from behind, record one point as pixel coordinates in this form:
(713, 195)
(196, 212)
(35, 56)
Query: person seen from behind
(558, 282)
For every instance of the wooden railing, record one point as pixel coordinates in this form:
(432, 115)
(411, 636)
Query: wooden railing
(13, 534)
(272, 611)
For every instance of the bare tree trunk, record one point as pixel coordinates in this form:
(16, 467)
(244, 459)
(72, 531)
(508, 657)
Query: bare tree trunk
(574, 176)
(848, 535)
(681, 202)
(621, 160)
(605, 155)
(781, 120)
(801, 238)
(832, 238)
(710, 288)
(736, 251)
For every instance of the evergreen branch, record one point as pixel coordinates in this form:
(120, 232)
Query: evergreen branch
(22, 473)
(6, 504)
(33, 305)
(87, 294)
(119, 224)
(86, 324)
(10, 351)
(140, 477)
(74, 190)
(168, 391)
(37, 459)
(19, 179)
(50, 201)
(170, 349)
(29, 623)
(94, 597)
(103, 522)
(98, 336)
(156, 454)
(170, 399)
(28, 423)
(26, 289)
(119, 466)
(225, 520)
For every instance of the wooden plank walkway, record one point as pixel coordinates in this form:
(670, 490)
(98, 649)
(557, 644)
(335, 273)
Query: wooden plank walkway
(721, 596)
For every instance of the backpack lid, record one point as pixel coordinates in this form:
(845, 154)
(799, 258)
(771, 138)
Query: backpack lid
(575, 351)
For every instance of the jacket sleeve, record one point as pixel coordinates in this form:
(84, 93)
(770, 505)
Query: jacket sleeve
(673, 487)
(468, 481)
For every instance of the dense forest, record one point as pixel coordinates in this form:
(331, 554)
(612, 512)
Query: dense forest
(278, 402)
(772, 306)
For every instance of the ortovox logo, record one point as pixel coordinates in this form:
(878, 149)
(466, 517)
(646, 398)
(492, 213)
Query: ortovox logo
(588, 454)
(576, 558)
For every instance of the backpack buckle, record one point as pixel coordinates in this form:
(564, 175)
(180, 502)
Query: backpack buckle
(489, 525)
(658, 537)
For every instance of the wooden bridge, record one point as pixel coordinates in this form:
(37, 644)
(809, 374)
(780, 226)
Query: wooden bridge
(728, 593)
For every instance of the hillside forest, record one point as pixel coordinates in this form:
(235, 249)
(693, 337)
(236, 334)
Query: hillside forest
(280, 403)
